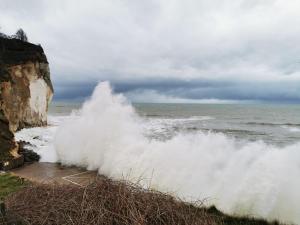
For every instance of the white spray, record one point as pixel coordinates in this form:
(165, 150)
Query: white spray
(250, 179)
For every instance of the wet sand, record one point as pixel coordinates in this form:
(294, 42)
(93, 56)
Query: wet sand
(55, 173)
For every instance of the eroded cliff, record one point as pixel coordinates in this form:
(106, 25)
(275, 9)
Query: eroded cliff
(25, 91)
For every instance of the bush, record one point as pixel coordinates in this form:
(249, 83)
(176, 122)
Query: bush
(112, 203)
(21, 35)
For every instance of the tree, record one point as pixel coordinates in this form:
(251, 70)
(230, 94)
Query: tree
(21, 35)
(2, 34)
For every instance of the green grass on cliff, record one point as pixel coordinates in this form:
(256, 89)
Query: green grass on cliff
(10, 184)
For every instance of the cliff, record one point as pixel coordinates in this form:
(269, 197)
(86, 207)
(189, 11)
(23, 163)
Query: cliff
(25, 91)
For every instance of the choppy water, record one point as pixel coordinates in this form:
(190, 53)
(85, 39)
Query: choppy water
(272, 123)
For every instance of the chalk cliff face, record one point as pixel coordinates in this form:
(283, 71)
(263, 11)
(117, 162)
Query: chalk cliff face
(25, 90)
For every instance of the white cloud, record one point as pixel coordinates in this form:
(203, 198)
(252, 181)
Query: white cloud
(234, 40)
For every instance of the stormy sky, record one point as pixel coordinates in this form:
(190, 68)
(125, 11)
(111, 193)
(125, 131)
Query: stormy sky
(167, 50)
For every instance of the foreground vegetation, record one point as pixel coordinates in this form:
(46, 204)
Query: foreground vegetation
(10, 184)
(109, 203)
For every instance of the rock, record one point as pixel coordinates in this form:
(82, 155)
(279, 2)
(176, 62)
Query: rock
(6, 138)
(14, 162)
(25, 92)
(29, 155)
(2, 209)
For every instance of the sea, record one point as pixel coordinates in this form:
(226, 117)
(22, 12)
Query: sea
(243, 158)
(275, 124)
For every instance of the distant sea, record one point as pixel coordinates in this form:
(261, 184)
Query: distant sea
(277, 124)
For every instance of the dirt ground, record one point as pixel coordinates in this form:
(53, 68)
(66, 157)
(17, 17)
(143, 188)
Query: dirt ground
(51, 172)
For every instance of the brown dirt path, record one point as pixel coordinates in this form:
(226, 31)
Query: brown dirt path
(55, 173)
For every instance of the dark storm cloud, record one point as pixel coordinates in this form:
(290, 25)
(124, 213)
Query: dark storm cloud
(166, 50)
(76, 91)
(181, 91)
(166, 85)
(222, 90)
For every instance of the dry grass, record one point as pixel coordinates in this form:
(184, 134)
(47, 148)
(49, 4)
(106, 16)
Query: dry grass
(108, 202)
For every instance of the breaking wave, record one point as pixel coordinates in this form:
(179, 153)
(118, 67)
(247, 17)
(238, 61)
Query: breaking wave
(291, 129)
(242, 178)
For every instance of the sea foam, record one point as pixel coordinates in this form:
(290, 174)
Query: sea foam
(248, 179)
